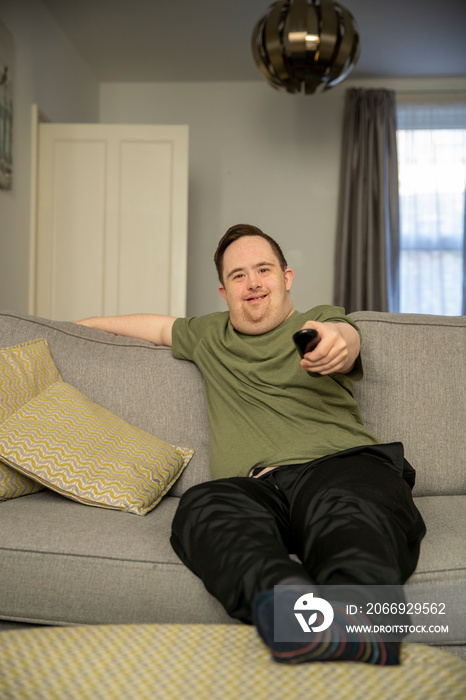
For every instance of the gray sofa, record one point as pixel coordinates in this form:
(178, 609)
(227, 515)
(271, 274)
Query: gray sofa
(63, 563)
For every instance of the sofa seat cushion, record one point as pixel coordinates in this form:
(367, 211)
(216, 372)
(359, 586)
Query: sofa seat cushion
(86, 560)
(95, 566)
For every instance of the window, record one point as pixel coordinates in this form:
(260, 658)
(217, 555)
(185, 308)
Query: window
(431, 145)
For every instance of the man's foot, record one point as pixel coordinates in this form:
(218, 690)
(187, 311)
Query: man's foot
(271, 611)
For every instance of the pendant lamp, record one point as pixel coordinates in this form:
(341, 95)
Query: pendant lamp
(306, 44)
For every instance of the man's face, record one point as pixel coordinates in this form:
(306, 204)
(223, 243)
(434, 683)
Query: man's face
(255, 287)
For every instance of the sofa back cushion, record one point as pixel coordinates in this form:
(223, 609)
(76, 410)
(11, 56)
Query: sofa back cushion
(133, 379)
(414, 391)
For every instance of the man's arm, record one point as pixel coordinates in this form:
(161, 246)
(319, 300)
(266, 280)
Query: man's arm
(337, 351)
(155, 328)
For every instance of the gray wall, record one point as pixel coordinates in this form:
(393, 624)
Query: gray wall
(47, 72)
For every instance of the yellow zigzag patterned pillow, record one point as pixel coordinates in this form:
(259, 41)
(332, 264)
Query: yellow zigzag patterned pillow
(25, 371)
(73, 446)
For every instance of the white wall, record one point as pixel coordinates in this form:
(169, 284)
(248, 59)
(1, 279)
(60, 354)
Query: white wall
(49, 73)
(256, 156)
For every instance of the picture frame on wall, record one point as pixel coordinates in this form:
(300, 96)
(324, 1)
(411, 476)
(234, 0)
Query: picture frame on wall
(6, 108)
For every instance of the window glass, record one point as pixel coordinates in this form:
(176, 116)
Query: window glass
(431, 144)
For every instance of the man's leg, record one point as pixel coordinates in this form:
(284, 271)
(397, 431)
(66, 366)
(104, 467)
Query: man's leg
(353, 521)
(233, 534)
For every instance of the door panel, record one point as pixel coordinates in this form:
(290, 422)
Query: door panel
(112, 220)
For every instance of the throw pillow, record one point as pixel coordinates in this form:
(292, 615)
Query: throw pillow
(66, 442)
(25, 370)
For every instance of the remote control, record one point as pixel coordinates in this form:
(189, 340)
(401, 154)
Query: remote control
(306, 340)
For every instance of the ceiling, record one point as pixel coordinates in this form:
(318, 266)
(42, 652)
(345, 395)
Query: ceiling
(199, 40)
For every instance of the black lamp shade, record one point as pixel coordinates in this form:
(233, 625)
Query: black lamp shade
(310, 44)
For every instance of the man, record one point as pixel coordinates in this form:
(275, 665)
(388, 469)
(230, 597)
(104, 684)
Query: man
(294, 469)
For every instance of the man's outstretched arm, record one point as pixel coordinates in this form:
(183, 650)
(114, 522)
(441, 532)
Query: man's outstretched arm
(155, 328)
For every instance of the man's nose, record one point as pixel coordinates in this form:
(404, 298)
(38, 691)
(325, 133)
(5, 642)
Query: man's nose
(254, 281)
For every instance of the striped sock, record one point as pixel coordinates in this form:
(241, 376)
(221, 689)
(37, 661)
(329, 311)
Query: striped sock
(329, 645)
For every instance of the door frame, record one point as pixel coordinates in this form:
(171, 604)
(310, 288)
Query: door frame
(37, 117)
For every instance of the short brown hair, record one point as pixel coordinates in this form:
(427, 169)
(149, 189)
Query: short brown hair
(238, 231)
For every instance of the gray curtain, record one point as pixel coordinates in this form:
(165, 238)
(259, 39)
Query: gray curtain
(367, 244)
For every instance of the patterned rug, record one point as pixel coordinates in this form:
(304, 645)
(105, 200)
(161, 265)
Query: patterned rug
(211, 662)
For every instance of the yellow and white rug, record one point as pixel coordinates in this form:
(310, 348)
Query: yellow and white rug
(197, 662)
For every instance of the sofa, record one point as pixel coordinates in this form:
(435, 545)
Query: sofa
(67, 563)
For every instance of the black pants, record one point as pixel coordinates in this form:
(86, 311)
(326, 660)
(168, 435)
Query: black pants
(349, 518)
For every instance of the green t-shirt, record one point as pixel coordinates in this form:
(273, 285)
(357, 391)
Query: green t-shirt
(263, 408)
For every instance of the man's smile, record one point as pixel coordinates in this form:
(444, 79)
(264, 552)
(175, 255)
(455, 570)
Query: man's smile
(255, 298)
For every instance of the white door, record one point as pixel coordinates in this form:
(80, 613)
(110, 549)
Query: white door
(111, 235)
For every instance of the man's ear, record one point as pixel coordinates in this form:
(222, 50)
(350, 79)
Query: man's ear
(289, 277)
(222, 291)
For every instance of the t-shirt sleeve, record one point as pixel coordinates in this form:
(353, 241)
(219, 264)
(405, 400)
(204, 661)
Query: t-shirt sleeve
(184, 338)
(332, 314)
(186, 334)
